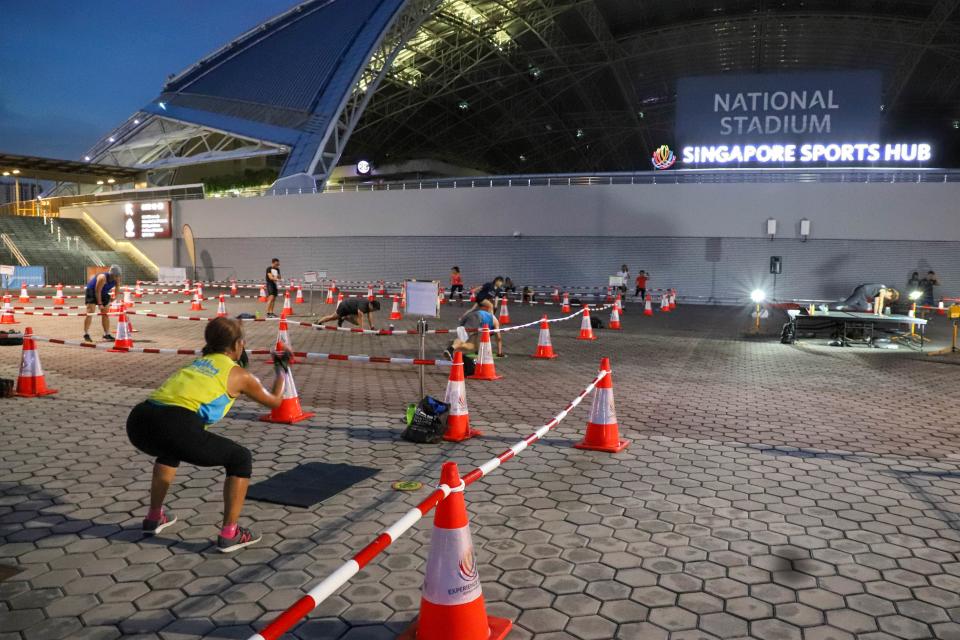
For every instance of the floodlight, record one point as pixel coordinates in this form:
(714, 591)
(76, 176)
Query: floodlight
(15, 171)
(758, 295)
(915, 295)
(86, 158)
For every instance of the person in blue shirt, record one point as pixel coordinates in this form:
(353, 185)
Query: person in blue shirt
(98, 295)
(475, 320)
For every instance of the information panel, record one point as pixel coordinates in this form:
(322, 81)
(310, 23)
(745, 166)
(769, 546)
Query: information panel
(147, 220)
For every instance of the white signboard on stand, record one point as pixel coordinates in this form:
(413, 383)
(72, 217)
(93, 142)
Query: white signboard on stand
(310, 277)
(615, 281)
(423, 300)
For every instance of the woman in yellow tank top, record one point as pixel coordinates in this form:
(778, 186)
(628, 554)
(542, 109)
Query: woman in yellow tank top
(171, 425)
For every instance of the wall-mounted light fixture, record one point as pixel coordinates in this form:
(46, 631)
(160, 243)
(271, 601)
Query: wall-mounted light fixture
(771, 227)
(804, 229)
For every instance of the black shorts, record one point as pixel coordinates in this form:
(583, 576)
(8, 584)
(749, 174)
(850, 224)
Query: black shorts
(272, 289)
(90, 297)
(174, 434)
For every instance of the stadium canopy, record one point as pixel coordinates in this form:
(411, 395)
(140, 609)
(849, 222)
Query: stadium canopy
(37, 168)
(516, 86)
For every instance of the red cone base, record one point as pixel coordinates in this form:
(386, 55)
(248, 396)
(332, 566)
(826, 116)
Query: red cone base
(498, 628)
(603, 437)
(290, 412)
(458, 429)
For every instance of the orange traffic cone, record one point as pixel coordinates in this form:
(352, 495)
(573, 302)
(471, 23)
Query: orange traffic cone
(299, 298)
(329, 299)
(122, 341)
(283, 341)
(609, 297)
(7, 317)
(369, 292)
(940, 309)
(673, 299)
(614, 319)
(473, 295)
(586, 329)
(458, 420)
(339, 298)
(566, 303)
(441, 297)
(233, 287)
(544, 346)
(618, 303)
(197, 304)
(187, 290)
(200, 291)
(603, 433)
(289, 411)
(24, 296)
(647, 306)
(383, 288)
(452, 604)
(31, 382)
(138, 291)
(58, 297)
(664, 303)
(262, 297)
(395, 312)
(485, 369)
(221, 308)
(127, 299)
(287, 310)
(504, 312)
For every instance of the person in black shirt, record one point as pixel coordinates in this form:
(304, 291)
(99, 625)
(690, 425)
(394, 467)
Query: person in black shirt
(354, 310)
(862, 296)
(272, 280)
(927, 285)
(489, 291)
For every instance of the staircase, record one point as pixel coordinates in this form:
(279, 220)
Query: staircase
(65, 248)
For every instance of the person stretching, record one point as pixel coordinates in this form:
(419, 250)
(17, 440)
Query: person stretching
(353, 310)
(97, 294)
(171, 426)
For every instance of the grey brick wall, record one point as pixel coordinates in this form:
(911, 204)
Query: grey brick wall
(724, 268)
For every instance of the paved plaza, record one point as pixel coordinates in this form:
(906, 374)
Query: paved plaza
(769, 491)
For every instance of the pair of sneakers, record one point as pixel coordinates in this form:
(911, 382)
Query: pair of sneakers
(243, 538)
(106, 337)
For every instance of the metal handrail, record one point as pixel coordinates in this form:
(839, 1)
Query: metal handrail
(50, 207)
(14, 250)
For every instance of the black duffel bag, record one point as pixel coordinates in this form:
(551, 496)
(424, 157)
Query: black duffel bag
(426, 421)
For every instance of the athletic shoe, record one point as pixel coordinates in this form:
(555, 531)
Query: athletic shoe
(87, 338)
(153, 527)
(448, 352)
(271, 315)
(243, 538)
(107, 336)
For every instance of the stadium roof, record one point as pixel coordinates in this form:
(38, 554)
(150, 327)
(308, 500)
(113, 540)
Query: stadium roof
(521, 85)
(65, 170)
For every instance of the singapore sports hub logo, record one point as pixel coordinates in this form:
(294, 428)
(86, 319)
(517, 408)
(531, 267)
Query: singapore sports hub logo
(468, 566)
(663, 158)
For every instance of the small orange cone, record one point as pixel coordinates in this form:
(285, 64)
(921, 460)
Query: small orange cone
(940, 309)
(504, 312)
(609, 297)
(283, 341)
(383, 288)
(566, 303)
(458, 420)
(452, 605)
(263, 294)
(137, 291)
(221, 308)
(24, 296)
(544, 346)
(287, 310)
(370, 293)
(187, 290)
(200, 291)
(485, 369)
(586, 329)
(339, 298)
(614, 319)
(556, 295)
(31, 382)
(329, 299)
(473, 295)
(233, 287)
(618, 303)
(647, 306)
(58, 297)
(603, 433)
(197, 304)
(290, 411)
(299, 298)
(122, 341)
(673, 299)
(127, 299)
(7, 317)
(395, 312)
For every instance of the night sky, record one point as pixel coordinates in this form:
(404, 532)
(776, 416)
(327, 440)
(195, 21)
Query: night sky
(71, 70)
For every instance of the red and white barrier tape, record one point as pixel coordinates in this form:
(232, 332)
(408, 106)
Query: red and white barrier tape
(58, 314)
(342, 357)
(329, 585)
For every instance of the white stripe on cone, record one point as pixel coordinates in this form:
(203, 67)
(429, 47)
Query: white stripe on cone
(30, 366)
(603, 410)
(456, 397)
(451, 577)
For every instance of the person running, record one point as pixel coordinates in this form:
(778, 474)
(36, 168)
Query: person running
(641, 283)
(475, 320)
(171, 426)
(489, 291)
(456, 284)
(353, 310)
(98, 295)
(272, 285)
